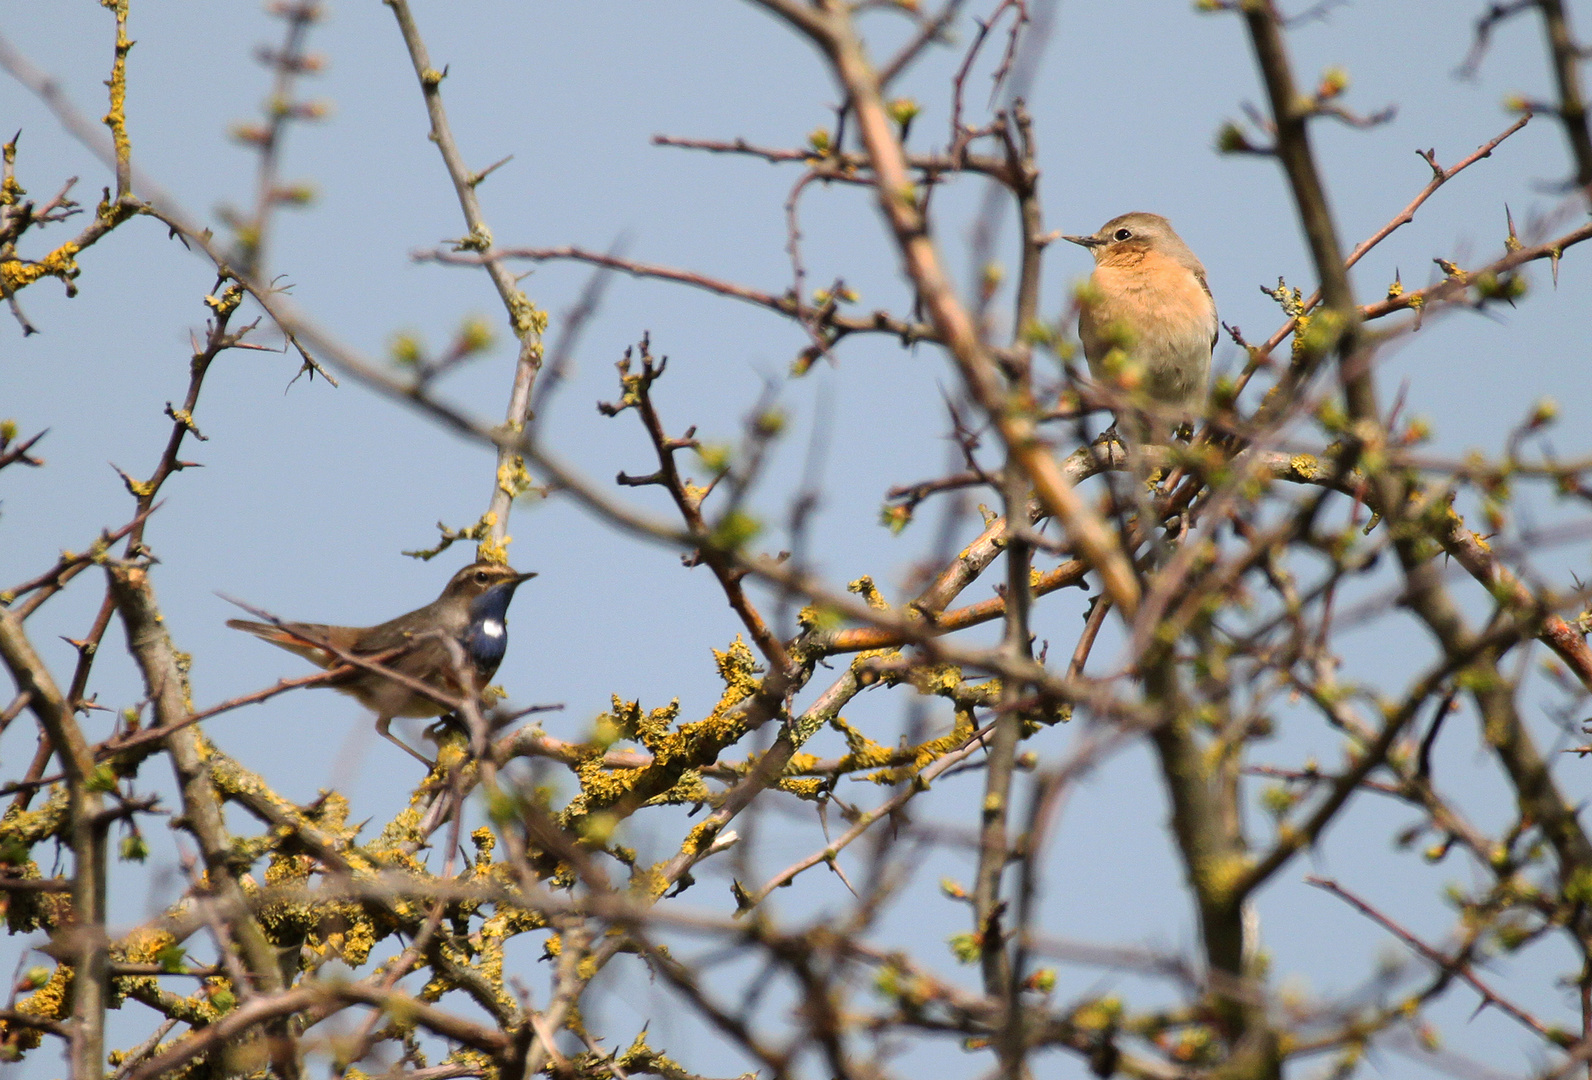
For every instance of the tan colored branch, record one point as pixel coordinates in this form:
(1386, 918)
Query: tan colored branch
(1015, 419)
(527, 322)
(167, 688)
(316, 1002)
(85, 938)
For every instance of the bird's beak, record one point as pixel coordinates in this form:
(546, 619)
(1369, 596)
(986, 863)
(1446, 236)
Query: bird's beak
(1084, 241)
(518, 578)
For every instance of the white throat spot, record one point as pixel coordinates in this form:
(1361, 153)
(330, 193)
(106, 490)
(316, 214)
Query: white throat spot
(492, 628)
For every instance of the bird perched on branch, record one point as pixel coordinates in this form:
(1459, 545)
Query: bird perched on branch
(472, 613)
(1147, 319)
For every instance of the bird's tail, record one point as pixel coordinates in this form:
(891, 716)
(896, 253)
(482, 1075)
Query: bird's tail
(259, 629)
(283, 637)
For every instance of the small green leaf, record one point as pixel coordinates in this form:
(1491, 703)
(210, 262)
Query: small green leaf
(173, 959)
(736, 529)
(102, 779)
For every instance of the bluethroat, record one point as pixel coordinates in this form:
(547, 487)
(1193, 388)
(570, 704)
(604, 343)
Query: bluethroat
(1147, 319)
(472, 611)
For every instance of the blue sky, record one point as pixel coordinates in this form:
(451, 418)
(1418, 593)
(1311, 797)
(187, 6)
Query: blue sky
(308, 493)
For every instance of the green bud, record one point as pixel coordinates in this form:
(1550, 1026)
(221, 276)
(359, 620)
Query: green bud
(475, 335)
(769, 423)
(736, 529)
(966, 947)
(134, 848)
(903, 110)
(406, 349)
(895, 518)
(1334, 81)
(1230, 139)
(715, 457)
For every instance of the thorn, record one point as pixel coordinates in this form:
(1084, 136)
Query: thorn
(489, 170)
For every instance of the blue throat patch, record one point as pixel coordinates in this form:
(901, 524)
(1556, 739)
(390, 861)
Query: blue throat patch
(489, 613)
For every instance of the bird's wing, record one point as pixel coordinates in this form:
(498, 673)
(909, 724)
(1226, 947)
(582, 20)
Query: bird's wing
(1089, 336)
(389, 635)
(1216, 323)
(426, 657)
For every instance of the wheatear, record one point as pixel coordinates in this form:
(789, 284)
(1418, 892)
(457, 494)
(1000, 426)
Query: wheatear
(1147, 319)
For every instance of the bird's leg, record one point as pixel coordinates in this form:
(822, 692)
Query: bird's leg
(383, 729)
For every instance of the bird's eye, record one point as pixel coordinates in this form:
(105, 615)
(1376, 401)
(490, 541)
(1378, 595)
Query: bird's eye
(482, 577)
(1122, 234)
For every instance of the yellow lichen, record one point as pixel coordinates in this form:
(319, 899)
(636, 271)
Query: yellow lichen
(865, 588)
(52, 1000)
(1306, 466)
(15, 274)
(513, 478)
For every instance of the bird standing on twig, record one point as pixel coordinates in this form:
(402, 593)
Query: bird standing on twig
(1147, 319)
(472, 613)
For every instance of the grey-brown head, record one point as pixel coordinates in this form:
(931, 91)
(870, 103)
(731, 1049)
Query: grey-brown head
(480, 578)
(1129, 236)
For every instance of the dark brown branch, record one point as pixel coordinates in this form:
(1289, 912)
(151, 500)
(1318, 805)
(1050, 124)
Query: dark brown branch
(1260, 354)
(1572, 110)
(878, 322)
(1455, 289)
(19, 452)
(848, 168)
(54, 579)
(1459, 966)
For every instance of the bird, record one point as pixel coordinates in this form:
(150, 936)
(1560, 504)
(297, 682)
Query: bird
(1148, 314)
(472, 611)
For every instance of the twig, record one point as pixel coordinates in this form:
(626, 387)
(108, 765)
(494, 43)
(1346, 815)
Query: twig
(524, 319)
(796, 308)
(1459, 967)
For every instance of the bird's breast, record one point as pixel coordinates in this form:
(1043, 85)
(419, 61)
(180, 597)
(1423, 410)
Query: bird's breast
(1159, 306)
(486, 640)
